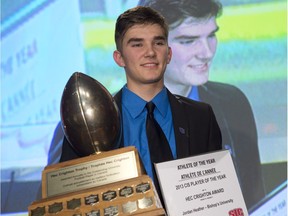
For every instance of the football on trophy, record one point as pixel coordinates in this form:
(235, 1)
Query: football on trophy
(89, 115)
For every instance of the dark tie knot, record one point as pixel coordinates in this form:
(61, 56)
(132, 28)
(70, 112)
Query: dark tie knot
(150, 106)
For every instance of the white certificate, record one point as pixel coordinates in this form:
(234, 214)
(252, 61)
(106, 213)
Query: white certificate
(201, 185)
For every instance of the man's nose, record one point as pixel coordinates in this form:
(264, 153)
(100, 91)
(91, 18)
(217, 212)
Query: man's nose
(150, 52)
(206, 49)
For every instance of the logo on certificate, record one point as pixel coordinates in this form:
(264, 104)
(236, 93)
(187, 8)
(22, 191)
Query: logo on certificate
(236, 212)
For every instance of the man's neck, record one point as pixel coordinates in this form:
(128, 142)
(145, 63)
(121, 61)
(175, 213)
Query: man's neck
(146, 91)
(178, 89)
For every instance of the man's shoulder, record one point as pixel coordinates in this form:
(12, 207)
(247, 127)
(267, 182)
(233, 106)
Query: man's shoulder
(221, 87)
(224, 98)
(186, 100)
(221, 90)
(190, 103)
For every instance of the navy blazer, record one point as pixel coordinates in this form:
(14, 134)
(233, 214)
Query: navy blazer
(238, 128)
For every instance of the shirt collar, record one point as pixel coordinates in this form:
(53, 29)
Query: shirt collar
(161, 102)
(194, 94)
(135, 105)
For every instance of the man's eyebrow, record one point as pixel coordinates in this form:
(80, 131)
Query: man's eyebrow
(134, 40)
(192, 37)
(160, 37)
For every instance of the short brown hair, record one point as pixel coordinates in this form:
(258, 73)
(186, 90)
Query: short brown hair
(176, 11)
(139, 15)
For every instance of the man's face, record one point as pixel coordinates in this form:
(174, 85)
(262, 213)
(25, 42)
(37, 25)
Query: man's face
(193, 44)
(144, 55)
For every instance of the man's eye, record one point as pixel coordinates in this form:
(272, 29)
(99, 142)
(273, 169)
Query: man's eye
(186, 41)
(136, 45)
(160, 43)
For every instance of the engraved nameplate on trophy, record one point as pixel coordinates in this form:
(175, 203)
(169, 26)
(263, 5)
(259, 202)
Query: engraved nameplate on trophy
(91, 171)
(118, 198)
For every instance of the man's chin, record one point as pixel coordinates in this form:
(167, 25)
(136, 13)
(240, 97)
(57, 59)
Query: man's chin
(198, 82)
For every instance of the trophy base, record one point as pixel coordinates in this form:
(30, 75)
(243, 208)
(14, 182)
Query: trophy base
(136, 196)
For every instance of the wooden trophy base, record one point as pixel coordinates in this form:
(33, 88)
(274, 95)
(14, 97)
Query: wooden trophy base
(134, 196)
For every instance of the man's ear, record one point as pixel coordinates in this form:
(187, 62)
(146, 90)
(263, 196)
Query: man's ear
(118, 58)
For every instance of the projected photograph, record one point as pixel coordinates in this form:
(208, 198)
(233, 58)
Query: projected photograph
(43, 42)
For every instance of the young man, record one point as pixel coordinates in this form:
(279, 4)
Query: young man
(193, 40)
(190, 127)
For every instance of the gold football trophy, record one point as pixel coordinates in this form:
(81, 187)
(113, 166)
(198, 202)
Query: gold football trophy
(107, 180)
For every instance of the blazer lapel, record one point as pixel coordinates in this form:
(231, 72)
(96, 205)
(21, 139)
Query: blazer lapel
(181, 126)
